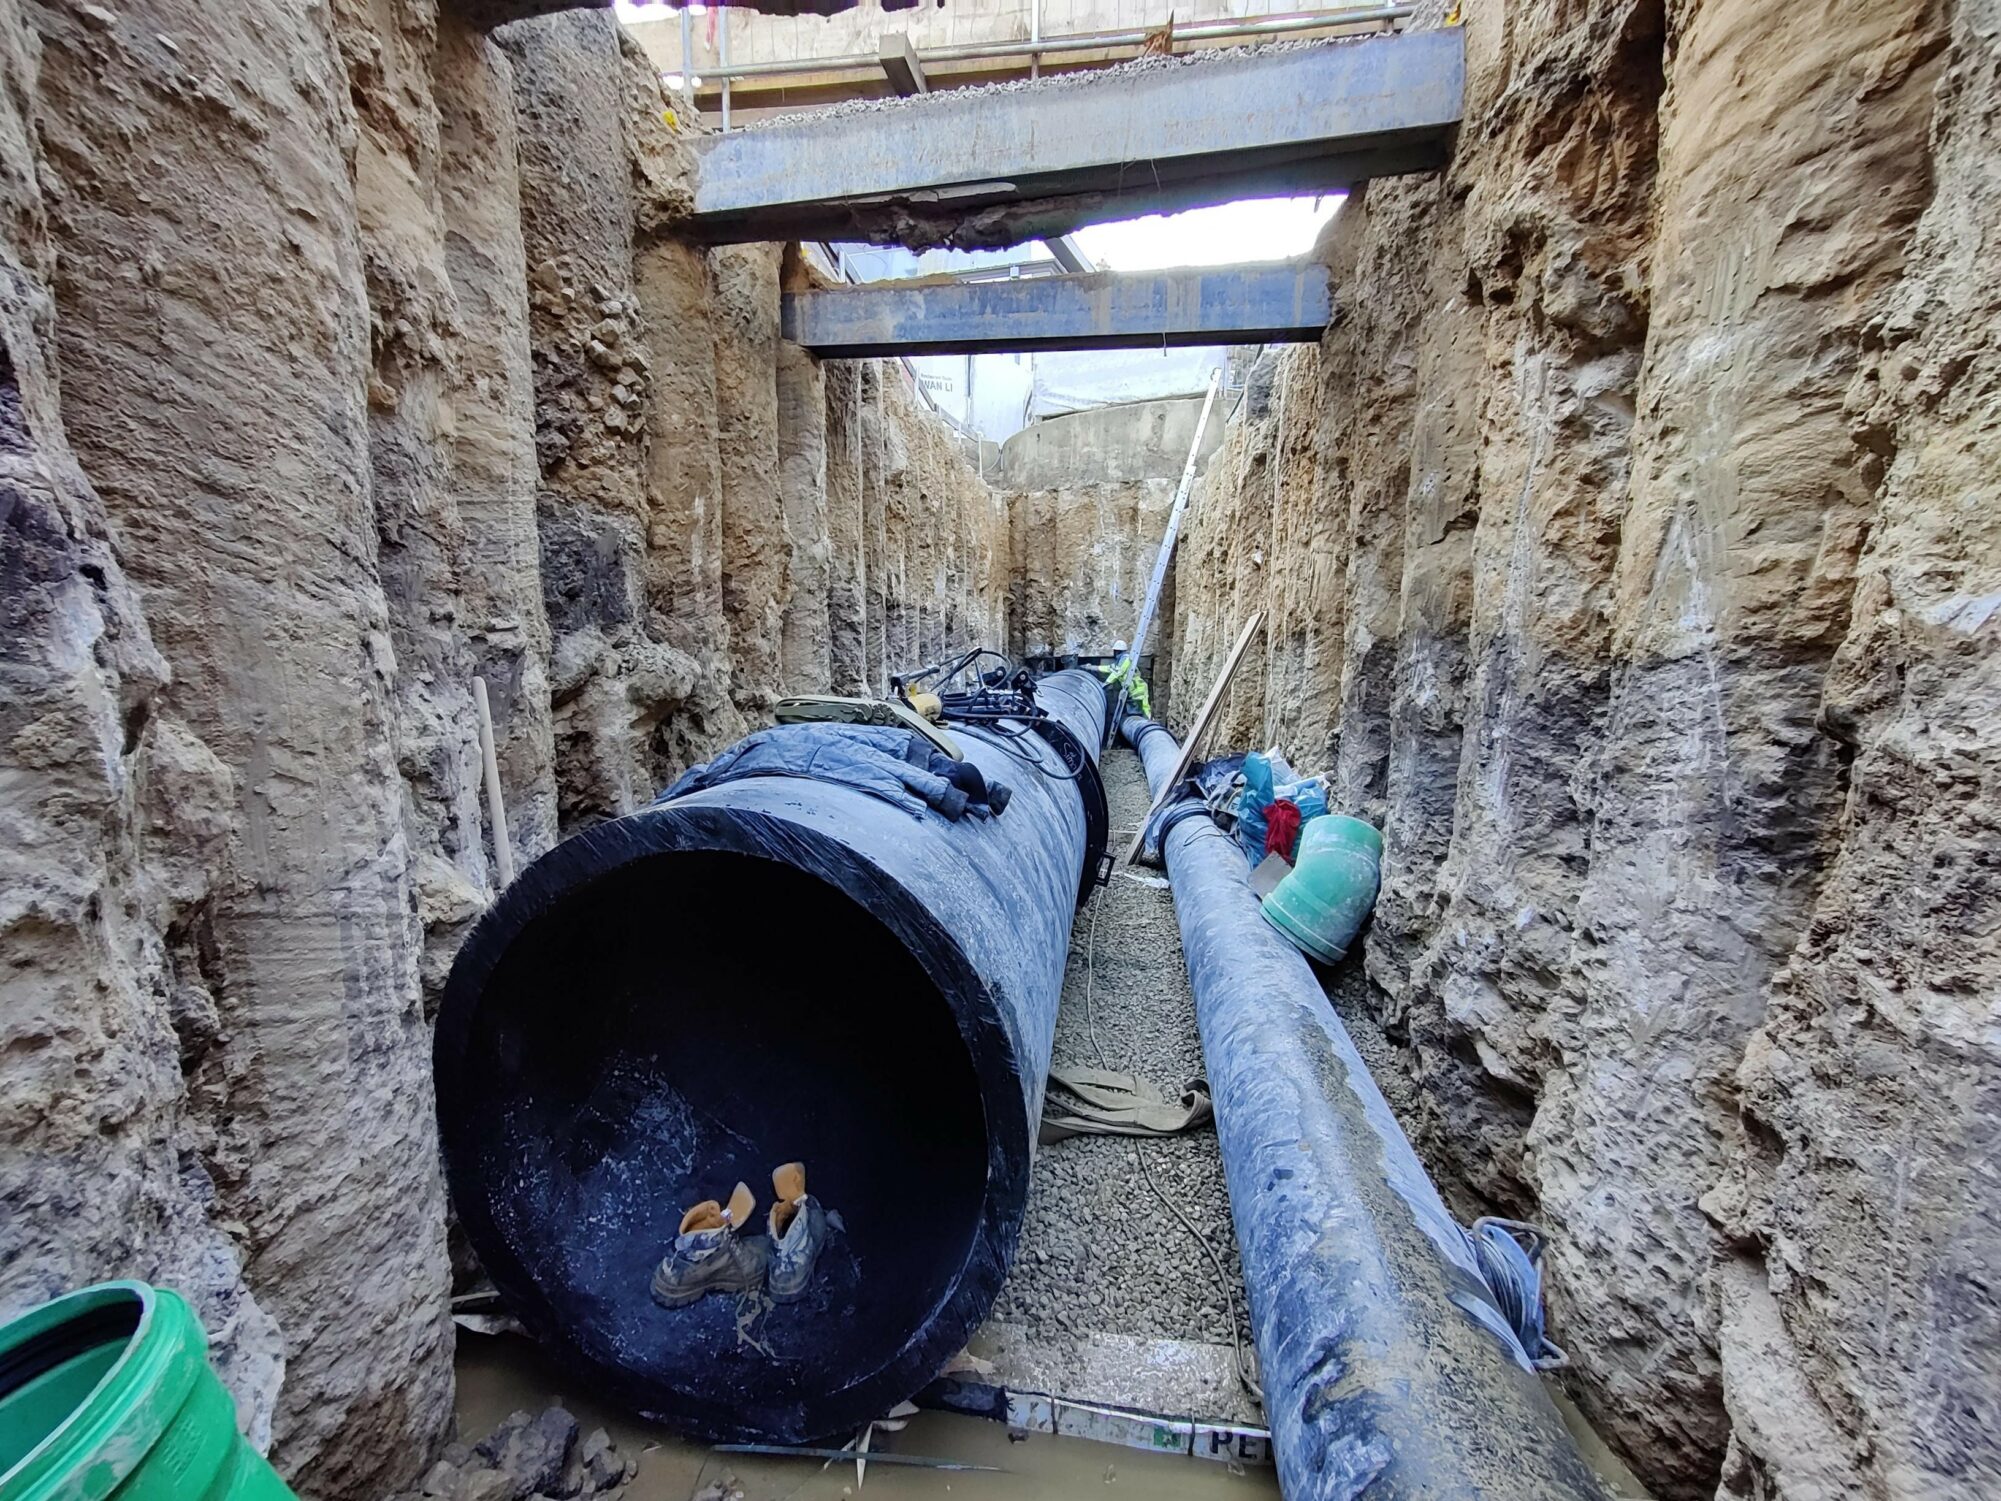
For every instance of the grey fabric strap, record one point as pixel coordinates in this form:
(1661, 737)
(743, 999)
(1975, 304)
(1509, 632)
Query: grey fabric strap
(1100, 1102)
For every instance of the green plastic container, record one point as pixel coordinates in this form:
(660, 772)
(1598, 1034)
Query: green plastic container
(1322, 904)
(108, 1392)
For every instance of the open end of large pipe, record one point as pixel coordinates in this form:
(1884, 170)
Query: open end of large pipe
(692, 1019)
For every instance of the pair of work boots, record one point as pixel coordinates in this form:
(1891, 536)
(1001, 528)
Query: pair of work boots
(712, 1255)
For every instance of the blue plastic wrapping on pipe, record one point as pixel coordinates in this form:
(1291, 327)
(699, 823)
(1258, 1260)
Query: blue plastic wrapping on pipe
(773, 968)
(1388, 1368)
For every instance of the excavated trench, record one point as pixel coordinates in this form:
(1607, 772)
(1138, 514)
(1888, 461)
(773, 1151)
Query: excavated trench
(1626, 551)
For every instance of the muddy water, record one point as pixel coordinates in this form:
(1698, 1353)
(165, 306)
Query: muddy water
(500, 1375)
(1622, 1482)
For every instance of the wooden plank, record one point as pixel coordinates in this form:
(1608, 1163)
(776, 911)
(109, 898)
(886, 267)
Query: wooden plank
(1199, 727)
(496, 803)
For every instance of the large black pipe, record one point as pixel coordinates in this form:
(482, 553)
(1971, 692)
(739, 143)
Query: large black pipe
(769, 970)
(1388, 1370)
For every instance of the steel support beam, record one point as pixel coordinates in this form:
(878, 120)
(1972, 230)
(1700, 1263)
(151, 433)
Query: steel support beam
(1068, 253)
(1276, 304)
(997, 167)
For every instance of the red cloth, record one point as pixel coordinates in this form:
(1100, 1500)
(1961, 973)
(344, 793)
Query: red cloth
(1281, 827)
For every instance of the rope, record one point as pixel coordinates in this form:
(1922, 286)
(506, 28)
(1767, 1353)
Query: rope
(1245, 1374)
(1514, 1275)
(998, 737)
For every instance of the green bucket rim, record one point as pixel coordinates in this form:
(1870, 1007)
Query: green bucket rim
(1346, 830)
(133, 1402)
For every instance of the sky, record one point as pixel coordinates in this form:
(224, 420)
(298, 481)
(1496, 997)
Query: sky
(1255, 229)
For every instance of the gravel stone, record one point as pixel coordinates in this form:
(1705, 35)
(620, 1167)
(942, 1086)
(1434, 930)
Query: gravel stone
(1099, 1255)
(528, 1457)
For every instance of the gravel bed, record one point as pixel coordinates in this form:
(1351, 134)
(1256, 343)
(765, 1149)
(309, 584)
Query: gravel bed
(1348, 991)
(1098, 1252)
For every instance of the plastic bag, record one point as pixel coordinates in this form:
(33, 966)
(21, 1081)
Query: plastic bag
(1264, 773)
(1310, 795)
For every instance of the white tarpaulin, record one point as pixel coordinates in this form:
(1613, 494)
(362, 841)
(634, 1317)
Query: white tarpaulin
(1076, 379)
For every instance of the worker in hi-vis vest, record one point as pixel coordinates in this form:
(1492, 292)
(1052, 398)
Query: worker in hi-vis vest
(1125, 670)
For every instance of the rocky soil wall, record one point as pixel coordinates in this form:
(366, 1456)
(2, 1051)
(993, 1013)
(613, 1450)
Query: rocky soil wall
(347, 353)
(1628, 551)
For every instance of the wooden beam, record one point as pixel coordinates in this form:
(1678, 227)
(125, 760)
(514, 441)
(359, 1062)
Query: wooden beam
(1198, 728)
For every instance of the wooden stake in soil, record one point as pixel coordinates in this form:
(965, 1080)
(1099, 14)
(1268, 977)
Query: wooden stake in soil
(496, 810)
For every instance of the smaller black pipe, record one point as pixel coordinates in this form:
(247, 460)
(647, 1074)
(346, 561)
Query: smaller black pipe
(1387, 1367)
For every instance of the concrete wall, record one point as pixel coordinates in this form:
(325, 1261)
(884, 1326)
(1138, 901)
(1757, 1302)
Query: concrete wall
(1130, 441)
(1088, 496)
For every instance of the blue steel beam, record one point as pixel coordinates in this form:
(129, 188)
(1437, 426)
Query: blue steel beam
(992, 167)
(1276, 304)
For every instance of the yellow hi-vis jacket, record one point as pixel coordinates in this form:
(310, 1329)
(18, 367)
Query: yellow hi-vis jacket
(1127, 672)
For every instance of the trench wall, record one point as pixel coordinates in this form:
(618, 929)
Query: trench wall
(348, 352)
(1088, 495)
(1628, 550)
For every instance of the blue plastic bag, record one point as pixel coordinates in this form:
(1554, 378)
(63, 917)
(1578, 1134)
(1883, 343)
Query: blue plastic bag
(1311, 796)
(1264, 773)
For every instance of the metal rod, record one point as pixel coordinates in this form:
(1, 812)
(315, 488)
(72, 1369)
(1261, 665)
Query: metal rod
(687, 60)
(723, 57)
(1164, 559)
(873, 1456)
(1083, 41)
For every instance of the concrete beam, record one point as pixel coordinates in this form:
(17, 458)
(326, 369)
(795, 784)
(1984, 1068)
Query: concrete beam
(1275, 304)
(487, 15)
(996, 167)
(900, 65)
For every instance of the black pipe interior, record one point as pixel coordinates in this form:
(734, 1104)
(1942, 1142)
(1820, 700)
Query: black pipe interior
(691, 1019)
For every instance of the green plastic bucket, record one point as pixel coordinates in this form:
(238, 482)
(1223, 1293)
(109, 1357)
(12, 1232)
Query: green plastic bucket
(1322, 904)
(108, 1392)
